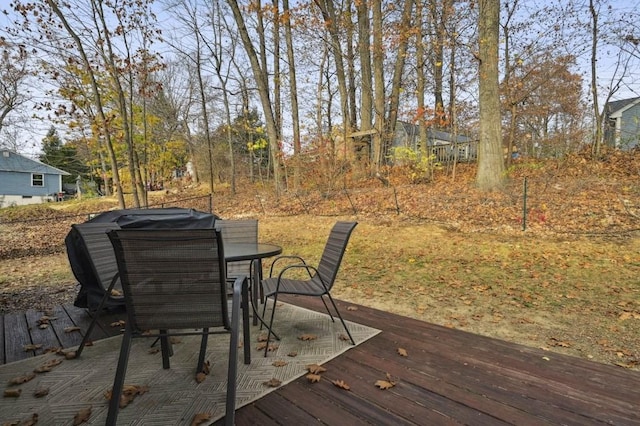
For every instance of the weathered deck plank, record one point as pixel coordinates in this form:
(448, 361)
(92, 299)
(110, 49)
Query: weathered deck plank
(449, 377)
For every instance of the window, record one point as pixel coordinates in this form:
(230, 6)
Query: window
(37, 180)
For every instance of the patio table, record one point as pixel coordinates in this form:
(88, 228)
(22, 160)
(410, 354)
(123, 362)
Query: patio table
(234, 252)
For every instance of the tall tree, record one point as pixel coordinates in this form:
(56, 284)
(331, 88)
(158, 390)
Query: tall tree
(490, 173)
(260, 74)
(14, 72)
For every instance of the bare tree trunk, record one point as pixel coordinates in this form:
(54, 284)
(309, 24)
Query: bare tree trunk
(396, 85)
(260, 76)
(97, 97)
(293, 86)
(490, 175)
(331, 20)
(379, 97)
(364, 50)
(597, 140)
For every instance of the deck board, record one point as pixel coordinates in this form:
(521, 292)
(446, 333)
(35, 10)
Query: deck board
(449, 376)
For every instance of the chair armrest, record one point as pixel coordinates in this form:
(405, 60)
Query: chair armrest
(311, 270)
(285, 257)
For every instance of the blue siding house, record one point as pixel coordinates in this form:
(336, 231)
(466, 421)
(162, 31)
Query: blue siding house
(623, 126)
(26, 181)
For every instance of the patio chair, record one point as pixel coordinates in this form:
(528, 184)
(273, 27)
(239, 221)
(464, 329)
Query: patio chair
(321, 279)
(174, 283)
(93, 263)
(239, 231)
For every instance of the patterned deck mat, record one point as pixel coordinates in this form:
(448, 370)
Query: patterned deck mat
(173, 396)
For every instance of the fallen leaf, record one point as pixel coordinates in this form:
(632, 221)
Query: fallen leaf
(129, 392)
(70, 355)
(341, 384)
(402, 352)
(352, 308)
(22, 379)
(153, 351)
(292, 354)
(200, 377)
(272, 347)
(279, 363)
(262, 337)
(313, 378)
(82, 416)
(48, 365)
(40, 392)
(25, 422)
(344, 337)
(315, 368)
(307, 336)
(272, 383)
(384, 384)
(206, 368)
(43, 326)
(71, 329)
(33, 347)
(119, 323)
(200, 418)
(12, 393)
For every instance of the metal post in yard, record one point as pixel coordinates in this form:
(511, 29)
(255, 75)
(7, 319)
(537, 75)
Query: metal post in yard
(524, 206)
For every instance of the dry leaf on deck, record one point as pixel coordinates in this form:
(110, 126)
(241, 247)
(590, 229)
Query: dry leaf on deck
(200, 377)
(70, 355)
(279, 363)
(262, 337)
(402, 352)
(316, 369)
(384, 384)
(12, 393)
(307, 336)
(119, 323)
(71, 329)
(344, 337)
(313, 378)
(352, 308)
(272, 383)
(48, 365)
(206, 367)
(341, 384)
(22, 379)
(200, 418)
(34, 347)
(153, 351)
(82, 416)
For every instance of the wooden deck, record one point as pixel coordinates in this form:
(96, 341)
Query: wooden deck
(449, 377)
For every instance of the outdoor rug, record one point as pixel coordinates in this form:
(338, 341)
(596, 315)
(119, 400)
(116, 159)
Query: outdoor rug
(173, 396)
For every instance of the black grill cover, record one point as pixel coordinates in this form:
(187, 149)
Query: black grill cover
(91, 290)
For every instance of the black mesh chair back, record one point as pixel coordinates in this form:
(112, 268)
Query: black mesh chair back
(174, 283)
(321, 279)
(94, 265)
(238, 231)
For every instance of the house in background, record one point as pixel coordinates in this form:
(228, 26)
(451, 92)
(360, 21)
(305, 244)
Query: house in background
(622, 128)
(442, 144)
(26, 181)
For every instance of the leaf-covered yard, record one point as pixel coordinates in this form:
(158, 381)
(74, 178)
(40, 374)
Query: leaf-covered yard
(441, 252)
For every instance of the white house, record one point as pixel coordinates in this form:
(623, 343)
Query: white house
(26, 181)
